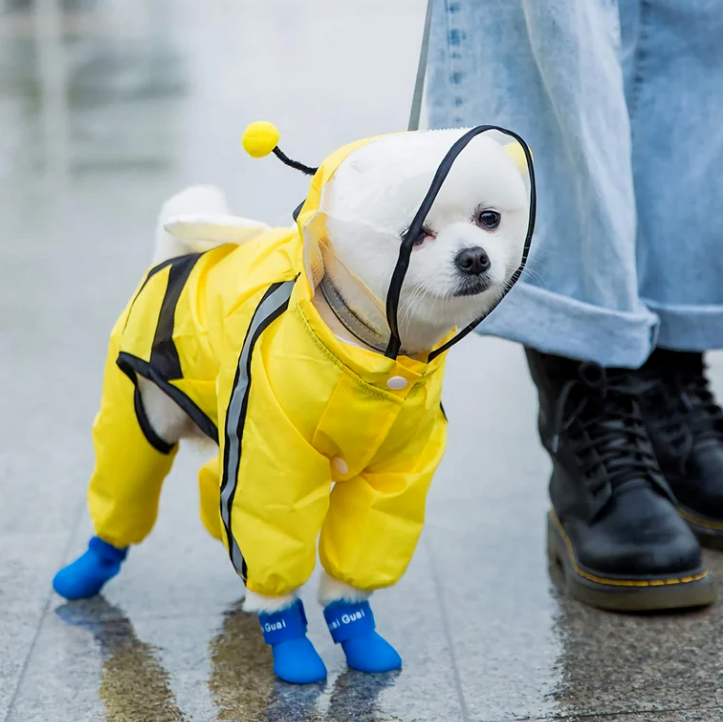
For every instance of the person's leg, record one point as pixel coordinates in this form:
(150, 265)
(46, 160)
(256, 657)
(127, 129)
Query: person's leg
(674, 86)
(551, 70)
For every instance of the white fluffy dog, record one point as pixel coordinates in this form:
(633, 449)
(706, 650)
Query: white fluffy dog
(463, 260)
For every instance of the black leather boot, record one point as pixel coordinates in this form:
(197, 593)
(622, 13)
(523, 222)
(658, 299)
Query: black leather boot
(614, 527)
(686, 427)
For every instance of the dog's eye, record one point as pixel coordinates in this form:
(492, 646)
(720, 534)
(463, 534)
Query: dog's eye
(489, 219)
(423, 236)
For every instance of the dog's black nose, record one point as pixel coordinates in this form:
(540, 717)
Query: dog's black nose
(473, 261)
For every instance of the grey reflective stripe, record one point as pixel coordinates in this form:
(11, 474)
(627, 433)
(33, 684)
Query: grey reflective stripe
(273, 304)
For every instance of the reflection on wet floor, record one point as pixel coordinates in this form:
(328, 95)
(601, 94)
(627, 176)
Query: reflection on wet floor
(244, 687)
(356, 696)
(134, 685)
(242, 680)
(651, 662)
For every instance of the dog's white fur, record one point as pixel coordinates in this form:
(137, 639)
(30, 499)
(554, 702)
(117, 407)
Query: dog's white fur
(202, 200)
(369, 203)
(332, 590)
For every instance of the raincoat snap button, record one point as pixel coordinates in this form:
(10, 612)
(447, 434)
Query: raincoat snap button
(340, 465)
(397, 383)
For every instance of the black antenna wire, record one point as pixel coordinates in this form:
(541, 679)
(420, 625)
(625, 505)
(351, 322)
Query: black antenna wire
(308, 170)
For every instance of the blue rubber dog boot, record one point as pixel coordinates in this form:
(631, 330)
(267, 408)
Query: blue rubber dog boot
(86, 576)
(352, 626)
(295, 659)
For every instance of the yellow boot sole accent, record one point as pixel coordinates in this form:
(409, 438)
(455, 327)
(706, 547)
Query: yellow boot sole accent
(626, 595)
(708, 531)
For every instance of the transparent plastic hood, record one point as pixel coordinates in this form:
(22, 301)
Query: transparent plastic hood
(369, 316)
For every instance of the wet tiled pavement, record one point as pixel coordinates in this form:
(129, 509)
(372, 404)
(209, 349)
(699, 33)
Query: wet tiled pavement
(105, 109)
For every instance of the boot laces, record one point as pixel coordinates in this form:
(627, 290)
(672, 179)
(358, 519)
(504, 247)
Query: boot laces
(683, 406)
(599, 414)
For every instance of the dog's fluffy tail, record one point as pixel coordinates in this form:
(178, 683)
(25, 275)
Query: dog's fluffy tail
(206, 199)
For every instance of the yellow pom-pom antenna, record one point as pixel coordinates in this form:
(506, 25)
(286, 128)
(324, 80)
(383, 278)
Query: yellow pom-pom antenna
(261, 139)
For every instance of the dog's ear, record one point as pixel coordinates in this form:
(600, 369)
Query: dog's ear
(514, 150)
(214, 229)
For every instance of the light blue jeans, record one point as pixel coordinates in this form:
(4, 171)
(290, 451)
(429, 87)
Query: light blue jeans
(622, 105)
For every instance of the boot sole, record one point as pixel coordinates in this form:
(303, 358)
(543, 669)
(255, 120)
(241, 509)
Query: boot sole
(642, 594)
(708, 531)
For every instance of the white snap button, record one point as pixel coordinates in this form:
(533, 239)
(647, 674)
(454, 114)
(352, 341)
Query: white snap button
(340, 465)
(397, 383)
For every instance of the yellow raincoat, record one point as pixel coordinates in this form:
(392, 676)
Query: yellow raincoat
(233, 337)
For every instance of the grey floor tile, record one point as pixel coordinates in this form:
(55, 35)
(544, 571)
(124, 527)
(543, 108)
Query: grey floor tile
(16, 640)
(500, 615)
(27, 564)
(677, 715)
(493, 452)
(623, 663)
(699, 715)
(485, 534)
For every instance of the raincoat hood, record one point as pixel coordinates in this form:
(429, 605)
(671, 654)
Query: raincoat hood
(323, 268)
(309, 216)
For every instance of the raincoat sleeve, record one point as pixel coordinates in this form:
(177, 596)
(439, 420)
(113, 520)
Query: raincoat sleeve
(274, 485)
(374, 520)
